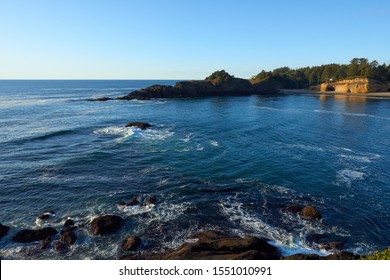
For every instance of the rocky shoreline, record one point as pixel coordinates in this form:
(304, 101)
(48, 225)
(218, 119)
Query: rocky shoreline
(204, 245)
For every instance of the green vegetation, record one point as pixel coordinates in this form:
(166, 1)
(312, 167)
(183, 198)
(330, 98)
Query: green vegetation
(219, 77)
(379, 255)
(309, 76)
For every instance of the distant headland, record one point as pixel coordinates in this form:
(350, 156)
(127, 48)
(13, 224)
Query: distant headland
(359, 77)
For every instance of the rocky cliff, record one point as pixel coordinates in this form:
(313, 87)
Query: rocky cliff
(357, 85)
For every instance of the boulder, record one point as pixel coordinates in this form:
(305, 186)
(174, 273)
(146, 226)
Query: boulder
(133, 201)
(295, 208)
(106, 224)
(69, 223)
(31, 235)
(3, 230)
(46, 215)
(310, 213)
(61, 247)
(44, 243)
(140, 125)
(68, 237)
(131, 243)
(150, 200)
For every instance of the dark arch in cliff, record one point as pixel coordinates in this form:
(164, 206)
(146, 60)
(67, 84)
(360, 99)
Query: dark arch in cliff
(330, 88)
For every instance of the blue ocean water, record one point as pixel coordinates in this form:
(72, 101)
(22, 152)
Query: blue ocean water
(228, 163)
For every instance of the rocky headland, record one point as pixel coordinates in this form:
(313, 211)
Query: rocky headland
(356, 86)
(220, 83)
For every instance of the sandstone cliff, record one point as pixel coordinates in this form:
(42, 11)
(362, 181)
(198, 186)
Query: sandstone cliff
(357, 85)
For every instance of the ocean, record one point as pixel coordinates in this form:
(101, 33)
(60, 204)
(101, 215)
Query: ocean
(222, 163)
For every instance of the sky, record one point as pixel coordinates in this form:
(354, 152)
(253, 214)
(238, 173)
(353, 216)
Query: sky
(185, 39)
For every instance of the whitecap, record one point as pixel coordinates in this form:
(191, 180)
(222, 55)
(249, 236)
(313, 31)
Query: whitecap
(214, 143)
(362, 159)
(157, 134)
(199, 147)
(187, 138)
(347, 176)
(124, 132)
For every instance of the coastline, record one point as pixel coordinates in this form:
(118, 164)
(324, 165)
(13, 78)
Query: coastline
(335, 93)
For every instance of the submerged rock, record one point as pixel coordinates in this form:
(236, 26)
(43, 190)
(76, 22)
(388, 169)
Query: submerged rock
(131, 243)
(149, 200)
(44, 243)
(68, 237)
(69, 223)
(101, 99)
(46, 215)
(140, 125)
(310, 213)
(295, 208)
(133, 201)
(61, 247)
(31, 235)
(3, 230)
(106, 224)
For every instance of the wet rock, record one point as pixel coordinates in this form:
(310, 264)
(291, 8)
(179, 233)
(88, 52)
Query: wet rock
(334, 245)
(61, 247)
(44, 243)
(101, 99)
(46, 215)
(68, 237)
(131, 243)
(214, 245)
(106, 224)
(31, 235)
(295, 208)
(150, 200)
(3, 230)
(133, 201)
(69, 223)
(310, 213)
(140, 125)
(338, 256)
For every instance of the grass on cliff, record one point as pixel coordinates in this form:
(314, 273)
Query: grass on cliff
(379, 255)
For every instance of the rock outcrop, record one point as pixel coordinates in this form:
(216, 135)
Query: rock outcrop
(140, 125)
(219, 83)
(3, 230)
(212, 245)
(31, 235)
(131, 243)
(357, 85)
(106, 224)
(310, 213)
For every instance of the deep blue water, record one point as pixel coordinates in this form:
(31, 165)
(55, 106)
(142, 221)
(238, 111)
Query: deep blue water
(213, 163)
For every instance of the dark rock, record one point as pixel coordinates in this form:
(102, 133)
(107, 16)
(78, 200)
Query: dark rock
(44, 243)
(219, 83)
(150, 200)
(68, 229)
(106, 224)
(131, 243)
(68, 237)
(3, 230)
(334, 245)
(295, 208)
(69, 223)
(310, 213)
(140, 125)
(338, 256)
(133, 201)
(31, 235)
(122, 204)
(61, 247)
(214, 245)
(101, 99)
(46, 215)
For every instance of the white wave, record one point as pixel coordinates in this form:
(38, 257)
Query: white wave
(187, 138)
(163, 212)
(124, 132)
(214, 143)
(362, 159)
(306, 147)
(157, 134)
(199, 147)
(347, 176)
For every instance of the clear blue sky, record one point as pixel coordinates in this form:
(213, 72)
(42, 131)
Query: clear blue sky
(185, 39)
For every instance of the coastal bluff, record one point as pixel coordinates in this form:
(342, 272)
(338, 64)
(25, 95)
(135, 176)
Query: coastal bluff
(356, 85)
(220, 83)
